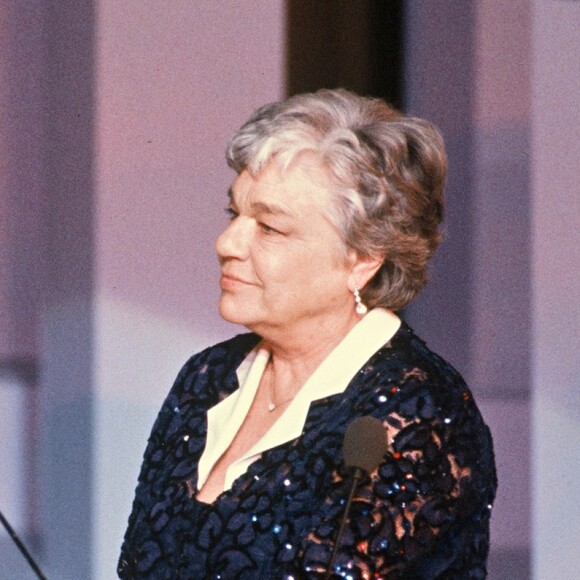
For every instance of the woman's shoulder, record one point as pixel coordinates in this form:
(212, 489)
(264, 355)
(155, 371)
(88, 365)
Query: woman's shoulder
(205, 379)
(407, 357)
(213, 369)
(416, 393)
(407, 375)
(229, 352)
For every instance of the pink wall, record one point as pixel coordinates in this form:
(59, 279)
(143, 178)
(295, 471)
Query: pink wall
(174, 80)
(114, 119)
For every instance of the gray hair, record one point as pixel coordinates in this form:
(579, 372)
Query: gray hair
(388, 172)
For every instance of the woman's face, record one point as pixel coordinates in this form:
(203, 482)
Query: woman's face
(283, 263)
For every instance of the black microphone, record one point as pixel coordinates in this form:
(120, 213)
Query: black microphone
(365, 445)
(22, 548)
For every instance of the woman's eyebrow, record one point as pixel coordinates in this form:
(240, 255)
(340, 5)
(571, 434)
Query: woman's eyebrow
(272, 209)
(263, 207)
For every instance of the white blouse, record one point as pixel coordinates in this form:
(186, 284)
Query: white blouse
(330, 378)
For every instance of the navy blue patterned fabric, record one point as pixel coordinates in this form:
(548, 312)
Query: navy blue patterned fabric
(423, 513)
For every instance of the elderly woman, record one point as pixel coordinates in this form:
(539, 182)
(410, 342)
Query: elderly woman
(334, 215)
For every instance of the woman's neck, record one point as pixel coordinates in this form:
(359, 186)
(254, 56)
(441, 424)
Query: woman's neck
(295, 356)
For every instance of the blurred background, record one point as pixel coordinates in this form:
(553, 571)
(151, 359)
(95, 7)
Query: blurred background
(113, 122)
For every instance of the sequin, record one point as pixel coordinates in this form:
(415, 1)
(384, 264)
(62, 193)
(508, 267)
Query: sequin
(279, 520)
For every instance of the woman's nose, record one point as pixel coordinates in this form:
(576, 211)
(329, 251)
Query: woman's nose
(234, 241)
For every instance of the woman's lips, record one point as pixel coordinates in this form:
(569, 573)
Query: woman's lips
(231, 282)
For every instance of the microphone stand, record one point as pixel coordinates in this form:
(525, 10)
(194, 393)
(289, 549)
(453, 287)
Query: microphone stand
(357, 475)
(22, 548)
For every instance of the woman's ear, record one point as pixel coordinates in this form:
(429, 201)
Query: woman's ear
(363, 270)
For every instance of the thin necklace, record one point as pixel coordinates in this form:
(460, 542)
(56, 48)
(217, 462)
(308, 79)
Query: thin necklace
(272, 405)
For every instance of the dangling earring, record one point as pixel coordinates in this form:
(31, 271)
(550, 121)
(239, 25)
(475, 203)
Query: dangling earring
(360, 308)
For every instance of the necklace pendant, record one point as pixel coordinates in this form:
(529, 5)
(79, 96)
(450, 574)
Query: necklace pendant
(271, 406)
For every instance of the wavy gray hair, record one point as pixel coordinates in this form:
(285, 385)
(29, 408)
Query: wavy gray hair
(388, 172)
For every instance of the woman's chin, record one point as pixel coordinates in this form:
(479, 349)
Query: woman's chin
(234, 313)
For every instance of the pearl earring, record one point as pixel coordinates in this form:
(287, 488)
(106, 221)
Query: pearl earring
(360, 308)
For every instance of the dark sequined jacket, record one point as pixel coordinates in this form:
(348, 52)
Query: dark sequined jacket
(424, 513)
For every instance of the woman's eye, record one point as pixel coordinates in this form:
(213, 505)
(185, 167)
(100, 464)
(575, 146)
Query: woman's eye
(231, 213)
(266, 229)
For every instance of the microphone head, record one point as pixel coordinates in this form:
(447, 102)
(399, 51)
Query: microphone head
(365, 443)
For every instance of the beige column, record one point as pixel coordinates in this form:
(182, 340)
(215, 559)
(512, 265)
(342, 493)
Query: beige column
(555, 189)
(468, 69)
